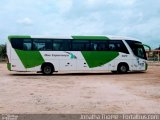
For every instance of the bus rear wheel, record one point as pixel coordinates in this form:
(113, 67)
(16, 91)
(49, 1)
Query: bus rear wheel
(47, 69)
(123, 68)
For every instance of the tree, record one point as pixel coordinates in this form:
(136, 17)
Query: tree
(3, 54)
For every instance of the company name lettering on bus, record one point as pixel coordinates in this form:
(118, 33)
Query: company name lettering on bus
(124, 55)
(56, 55)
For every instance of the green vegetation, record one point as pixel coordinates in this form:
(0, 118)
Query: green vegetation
(3, 54)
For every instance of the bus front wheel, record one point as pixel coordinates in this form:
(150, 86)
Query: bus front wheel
(123, 68)
(47, 69)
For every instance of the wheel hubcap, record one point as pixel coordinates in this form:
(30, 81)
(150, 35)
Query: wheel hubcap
(123, 69)
(47, 70)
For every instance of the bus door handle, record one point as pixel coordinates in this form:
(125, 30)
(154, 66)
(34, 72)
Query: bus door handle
(85, 65)
(67, 64)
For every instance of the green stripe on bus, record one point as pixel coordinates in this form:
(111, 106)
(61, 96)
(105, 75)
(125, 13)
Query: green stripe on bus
(90, 38)
(9, 66)
(98, 58)
(18, 36)
(30, 58)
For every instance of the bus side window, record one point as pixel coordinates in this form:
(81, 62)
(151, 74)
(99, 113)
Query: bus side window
(99, 45)
(121, 47)
(56, 46)
(38, 44)
(94, 46)
(61, 45)
(80, 45)
(117, 45)
(42, 44)
(34, 46)
(27, 44)
(112, 47)
(102, 47)
(48, 45)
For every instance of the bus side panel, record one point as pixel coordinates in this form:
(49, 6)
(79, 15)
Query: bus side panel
(83, 62)
(16, 62)
(112, 65)
(133, 64)
(64, 60)
(46, 55)
(142, 65)
(123, 58)
(139, 64)
(53, 57)
(37, 68)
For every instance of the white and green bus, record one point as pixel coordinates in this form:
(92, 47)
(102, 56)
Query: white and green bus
(75, 53)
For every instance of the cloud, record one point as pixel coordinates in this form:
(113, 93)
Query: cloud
(25, 21)
(111, 2)
(64, 5)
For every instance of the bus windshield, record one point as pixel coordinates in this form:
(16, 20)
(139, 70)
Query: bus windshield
(137, 49)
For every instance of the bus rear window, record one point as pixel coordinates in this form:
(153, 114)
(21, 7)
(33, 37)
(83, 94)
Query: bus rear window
(17, 43)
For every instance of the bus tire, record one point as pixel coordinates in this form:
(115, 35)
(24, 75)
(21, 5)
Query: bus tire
(123, 68)
(47, 68)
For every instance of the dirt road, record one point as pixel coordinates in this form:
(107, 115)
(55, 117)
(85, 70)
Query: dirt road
(80, 92)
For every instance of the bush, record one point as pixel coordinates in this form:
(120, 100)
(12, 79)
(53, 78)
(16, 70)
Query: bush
(3, 54)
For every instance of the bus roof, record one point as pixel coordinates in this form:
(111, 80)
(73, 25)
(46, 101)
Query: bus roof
(97, 37)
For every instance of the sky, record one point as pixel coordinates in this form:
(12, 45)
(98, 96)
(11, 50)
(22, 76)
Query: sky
(133, 18)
